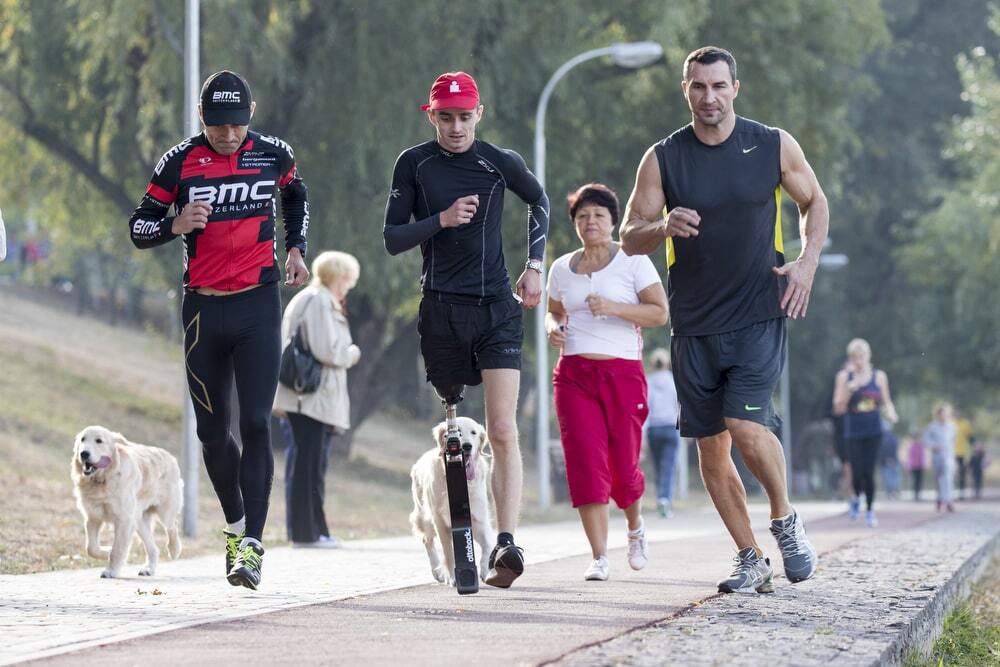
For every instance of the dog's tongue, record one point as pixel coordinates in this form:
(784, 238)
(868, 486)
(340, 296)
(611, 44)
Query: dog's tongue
(103, 462)
(470, 470)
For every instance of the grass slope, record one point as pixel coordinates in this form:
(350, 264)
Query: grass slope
(60, 373)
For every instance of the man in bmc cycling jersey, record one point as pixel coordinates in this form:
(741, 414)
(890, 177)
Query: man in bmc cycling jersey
(221, 184)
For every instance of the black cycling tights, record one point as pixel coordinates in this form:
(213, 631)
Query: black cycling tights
(226, 338)
(864, 454)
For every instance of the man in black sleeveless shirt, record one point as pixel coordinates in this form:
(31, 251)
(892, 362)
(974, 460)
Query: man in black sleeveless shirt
(719, 180)
(470, 320)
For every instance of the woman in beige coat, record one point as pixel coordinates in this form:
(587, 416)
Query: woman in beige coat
(319, 310)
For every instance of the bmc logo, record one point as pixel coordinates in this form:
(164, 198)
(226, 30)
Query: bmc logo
(169, 154)
(231, 193)
(145, 227)
(226, 96)
(275, 141)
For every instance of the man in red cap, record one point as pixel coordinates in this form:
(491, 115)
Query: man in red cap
(470, 320)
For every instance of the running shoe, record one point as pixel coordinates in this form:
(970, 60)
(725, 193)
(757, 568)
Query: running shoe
(637, 555)
(598, 570)
(323, 542)
(506, 564)
(232, 548)
(752, 573)
(665, 508)
(855, 508)
(870, 519)
(246, 567)
(797, 553)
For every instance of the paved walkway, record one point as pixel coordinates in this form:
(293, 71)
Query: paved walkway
(373, 602)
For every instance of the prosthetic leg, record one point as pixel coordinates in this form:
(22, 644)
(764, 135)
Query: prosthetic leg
(456, 457)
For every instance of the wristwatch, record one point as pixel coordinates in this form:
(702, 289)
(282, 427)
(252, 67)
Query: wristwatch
(534, 265)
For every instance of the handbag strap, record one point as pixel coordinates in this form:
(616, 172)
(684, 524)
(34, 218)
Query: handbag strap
(301, 316)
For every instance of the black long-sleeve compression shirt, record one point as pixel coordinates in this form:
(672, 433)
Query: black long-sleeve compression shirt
(466, 263)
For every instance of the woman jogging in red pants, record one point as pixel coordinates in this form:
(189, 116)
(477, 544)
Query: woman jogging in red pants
(599, 298)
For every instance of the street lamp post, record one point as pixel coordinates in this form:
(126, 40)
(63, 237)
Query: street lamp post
(192, 450)
(831, 261)
(634, 55)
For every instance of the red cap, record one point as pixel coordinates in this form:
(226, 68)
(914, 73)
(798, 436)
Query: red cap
(453, 90)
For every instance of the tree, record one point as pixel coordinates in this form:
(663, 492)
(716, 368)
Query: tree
(953, 260)
(893, 175)
(94, 87)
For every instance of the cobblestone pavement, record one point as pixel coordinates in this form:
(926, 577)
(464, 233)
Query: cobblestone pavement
(50, 613)
(871, 593)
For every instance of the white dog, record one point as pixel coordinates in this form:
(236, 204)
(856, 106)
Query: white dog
(126, 485)
(431, 517)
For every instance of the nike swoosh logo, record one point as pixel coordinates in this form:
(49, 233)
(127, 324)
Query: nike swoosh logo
(747, 150)
(750, 408)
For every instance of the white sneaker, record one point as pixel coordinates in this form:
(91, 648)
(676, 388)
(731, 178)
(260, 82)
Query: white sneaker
(598, 570)
(637, 556)
(324, 542)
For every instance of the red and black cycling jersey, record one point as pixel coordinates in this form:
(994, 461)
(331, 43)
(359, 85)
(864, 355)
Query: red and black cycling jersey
(236, 249)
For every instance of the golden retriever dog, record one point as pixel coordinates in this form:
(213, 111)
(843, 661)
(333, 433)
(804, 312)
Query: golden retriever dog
(125, 484)
(431, 518)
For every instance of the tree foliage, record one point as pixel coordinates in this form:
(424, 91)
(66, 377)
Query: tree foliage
(954, 258)
(92, 95)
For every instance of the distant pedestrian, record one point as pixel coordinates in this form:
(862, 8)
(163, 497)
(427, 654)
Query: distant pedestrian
(319, 315)
(844, 483)
(892, 479)
(916, 462)
(661, 428)
(977, 466)
(939, 437)
(963, 450)
(3, 240)
(861, 394)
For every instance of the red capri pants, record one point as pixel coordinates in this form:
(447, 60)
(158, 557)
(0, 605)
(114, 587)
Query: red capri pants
(601, 406)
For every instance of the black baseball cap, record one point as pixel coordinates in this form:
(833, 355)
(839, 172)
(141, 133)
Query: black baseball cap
(225, 99)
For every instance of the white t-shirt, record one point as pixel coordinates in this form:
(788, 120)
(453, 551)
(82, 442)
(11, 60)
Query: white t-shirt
(620, 281)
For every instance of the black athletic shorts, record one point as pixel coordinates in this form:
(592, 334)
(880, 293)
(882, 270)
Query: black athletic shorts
(731, 374)
(459, 340)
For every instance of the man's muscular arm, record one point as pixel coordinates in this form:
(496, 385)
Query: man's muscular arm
(643, 230)
(645, 227)
(799, 181)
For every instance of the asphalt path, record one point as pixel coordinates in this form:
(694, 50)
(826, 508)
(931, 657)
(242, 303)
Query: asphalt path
(548, 613)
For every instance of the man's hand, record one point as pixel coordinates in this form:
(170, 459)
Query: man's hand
(529, 288)
(800, 274)
(193, 216)
(460, 212)
(601, 307)
(682, 222)
(296, 273)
